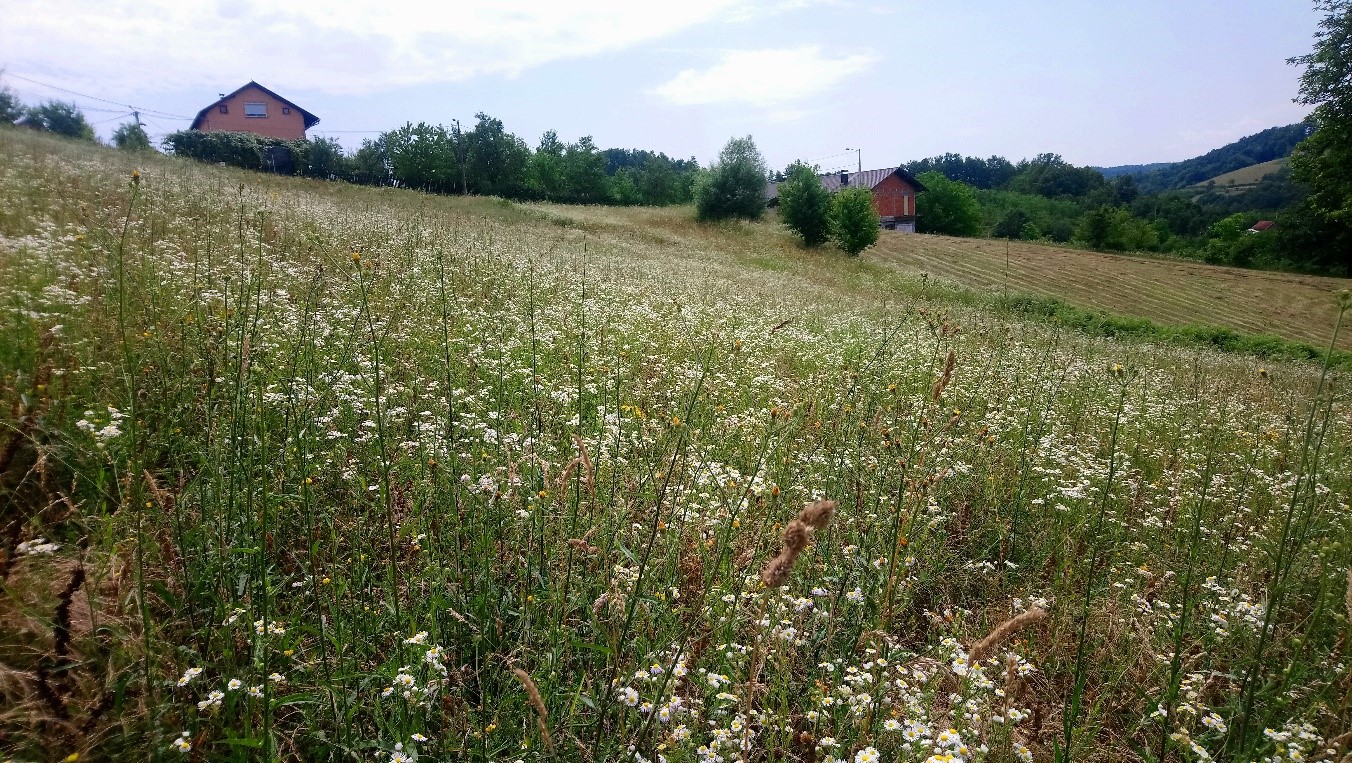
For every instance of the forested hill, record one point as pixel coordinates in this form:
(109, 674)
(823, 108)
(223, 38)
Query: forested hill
(1132, 169)
(1272, 143)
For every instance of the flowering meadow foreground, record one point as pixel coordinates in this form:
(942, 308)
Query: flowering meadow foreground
(298, 471)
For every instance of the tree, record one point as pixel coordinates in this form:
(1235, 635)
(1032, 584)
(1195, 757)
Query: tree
(371, 164)
(981, 173)
(856, 221)
(1012, 224)
(805, 205)
(1323, 161)
(1051, 176)
(735, 185)
(496, 161)
(423, 157)
(545, 172)
(1097, 229)
(1114, 229)
(61, 119)
(11, 109)
(327, 160)
(584, 173)
(947, 207)
(623, 190)
(131, 137)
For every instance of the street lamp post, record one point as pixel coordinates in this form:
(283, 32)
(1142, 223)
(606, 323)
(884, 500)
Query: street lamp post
(858, 156)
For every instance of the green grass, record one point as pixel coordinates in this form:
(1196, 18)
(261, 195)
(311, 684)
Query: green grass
(368, 453)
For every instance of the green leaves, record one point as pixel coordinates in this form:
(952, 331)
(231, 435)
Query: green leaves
(735, 186)
(947, 207)
(856, 221)
(805, 205)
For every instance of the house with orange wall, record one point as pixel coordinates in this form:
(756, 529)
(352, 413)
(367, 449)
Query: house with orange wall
(256, 109)
(893, 190)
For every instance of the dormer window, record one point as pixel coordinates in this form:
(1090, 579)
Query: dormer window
(255, 109)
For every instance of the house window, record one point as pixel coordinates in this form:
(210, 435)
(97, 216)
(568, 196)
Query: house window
(255, 109)
(224, 109)
(286, 110)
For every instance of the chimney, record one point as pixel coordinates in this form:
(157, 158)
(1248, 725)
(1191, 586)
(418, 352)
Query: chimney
(844, 178)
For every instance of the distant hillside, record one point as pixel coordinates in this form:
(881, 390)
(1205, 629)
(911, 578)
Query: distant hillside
(1244, 177)
(1272, 143)
(1132, 169)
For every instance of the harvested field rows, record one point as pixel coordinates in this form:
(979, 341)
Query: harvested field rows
(1291, 306)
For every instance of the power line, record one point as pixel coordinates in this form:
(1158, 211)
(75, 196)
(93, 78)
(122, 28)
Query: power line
(82, 107)
(109, 119)
(163, 114)
(159, 127)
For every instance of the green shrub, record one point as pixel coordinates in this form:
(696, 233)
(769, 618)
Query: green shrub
(805, 205)
(734, 186)
(260, 153)
(131, 137)
(855, 220)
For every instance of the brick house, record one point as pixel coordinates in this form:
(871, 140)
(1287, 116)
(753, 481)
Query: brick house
(256, 109)
(893, 188)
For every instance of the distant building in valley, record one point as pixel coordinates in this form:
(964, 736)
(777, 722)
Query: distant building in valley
(256, 109)
(893, 188)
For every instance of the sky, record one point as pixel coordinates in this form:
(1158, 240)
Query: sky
(832, 82)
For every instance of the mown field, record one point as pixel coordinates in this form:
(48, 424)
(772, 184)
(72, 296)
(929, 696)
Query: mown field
(1168, 292)
(1243, 177)
(299, 471)
(1295, 307)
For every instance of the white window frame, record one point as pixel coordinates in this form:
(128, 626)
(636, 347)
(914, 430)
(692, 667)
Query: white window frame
(251, 107)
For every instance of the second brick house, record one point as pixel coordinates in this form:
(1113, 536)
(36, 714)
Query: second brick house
(893, 189)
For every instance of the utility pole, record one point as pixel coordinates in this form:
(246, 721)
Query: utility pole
(858, 157)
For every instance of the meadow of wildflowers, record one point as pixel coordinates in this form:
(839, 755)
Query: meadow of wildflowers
(298, 471)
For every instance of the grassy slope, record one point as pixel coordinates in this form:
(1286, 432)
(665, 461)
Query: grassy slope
(1168, 292)
(567, 440)
(1244, 177)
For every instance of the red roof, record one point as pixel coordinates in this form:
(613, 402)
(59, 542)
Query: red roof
(866, 179)
(1261, 225)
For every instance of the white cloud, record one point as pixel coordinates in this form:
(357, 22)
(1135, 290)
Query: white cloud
(336, 46)
(763, 77)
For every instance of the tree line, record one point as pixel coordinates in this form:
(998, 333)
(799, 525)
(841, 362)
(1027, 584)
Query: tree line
(1047, 198)
(485, 160)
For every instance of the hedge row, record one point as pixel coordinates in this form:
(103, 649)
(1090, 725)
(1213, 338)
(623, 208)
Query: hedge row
(320, 157)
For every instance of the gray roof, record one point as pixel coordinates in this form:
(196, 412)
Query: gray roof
(866, 179)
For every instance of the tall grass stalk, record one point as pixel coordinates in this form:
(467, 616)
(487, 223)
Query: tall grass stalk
(1185, 588)
(1306, 470)
(383, 456)
(1102, 551)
